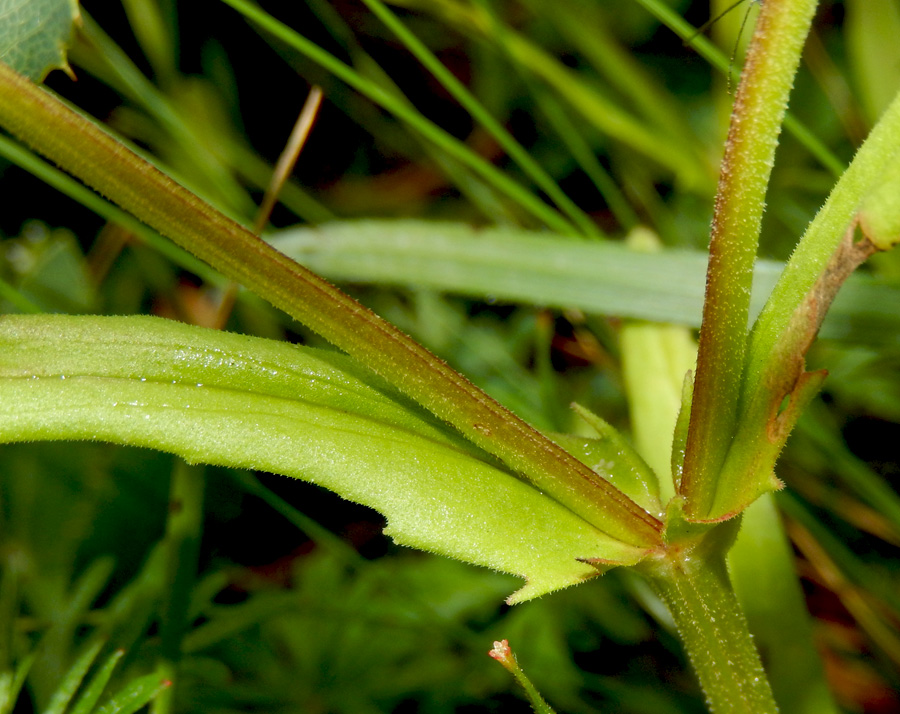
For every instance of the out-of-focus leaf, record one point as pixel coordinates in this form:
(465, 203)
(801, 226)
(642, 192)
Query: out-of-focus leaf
(34, 34)
(135, 695)
(542, 269)
(73, 678)
(238, 401)
(763, 572)
(48, 269)
(872, 28)
(90, 695)
(11, 683)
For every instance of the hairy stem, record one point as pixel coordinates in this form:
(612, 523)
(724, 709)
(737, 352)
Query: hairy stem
(749, 154)
(696, 589)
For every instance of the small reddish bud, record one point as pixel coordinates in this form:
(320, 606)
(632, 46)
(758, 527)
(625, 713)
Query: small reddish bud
(502, 653)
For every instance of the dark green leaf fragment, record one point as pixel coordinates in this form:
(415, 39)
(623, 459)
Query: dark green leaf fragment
(34, 35)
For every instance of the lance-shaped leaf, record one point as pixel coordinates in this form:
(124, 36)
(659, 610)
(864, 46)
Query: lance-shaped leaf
(516, 265)
(247, 402)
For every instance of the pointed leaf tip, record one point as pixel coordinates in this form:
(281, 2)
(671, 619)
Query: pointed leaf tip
(35, 35)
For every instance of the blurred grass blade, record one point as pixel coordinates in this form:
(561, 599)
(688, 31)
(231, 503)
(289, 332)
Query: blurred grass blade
(481, 115)
(135, 695)
(218, 155)
(67, 611)
(11, 683)
(485, 198)
(853, 568)
(605, 115)
(828, 450)
(201, 162)
(584, 26)
(324, 539)
(519, 266)
(77, 191)
(571, 133)
(861, 590)
(580, 94)
(15, 297)
(157, 35)
(73, 678)
(762, 569)
(655, 359)
(406, 113)
(132, 610)
(872, 28)
(184, 528)
(94, 689)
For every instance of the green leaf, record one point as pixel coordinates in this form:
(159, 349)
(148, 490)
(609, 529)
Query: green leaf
(112, 168)
(135, 695)
(872, 28)
(246, 402)
(879, 213)
(73, 678)
(543, 269)
(91, 693)
(610, 454)
(761, 565)
(34, 35)
(11, 683)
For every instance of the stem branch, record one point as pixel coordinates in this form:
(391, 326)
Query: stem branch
(759, 109)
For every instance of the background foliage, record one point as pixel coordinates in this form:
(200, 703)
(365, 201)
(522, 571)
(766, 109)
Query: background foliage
(273, 595)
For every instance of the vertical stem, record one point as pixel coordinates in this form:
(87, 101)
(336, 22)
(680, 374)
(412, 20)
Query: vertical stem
(749, 154)
(712, 626)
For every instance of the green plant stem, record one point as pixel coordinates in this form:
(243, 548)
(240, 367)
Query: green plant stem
(763, 572)
(504, 655)
(699, 595)
(716, 58)
(776, 385)
(83, 149)
(759, 109)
